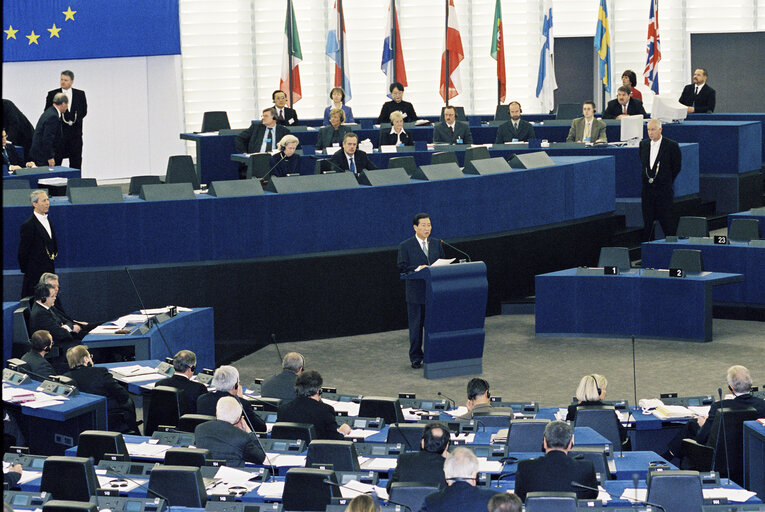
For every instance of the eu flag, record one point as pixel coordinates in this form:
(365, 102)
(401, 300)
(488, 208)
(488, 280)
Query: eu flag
(89, 29)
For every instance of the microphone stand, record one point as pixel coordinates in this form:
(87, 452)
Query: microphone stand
(722, 426)
(443, 242)
(370, 493)
(148, 318)
(266, 175)
(577, 485)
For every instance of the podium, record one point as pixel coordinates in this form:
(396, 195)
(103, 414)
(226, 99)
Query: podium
(455, 309)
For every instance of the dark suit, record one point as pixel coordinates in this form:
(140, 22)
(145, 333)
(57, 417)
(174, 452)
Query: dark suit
(459, 496)
(11, 156)
(554, 473)
(411, 256)
(308, 410)
(282, 166)
(37, 252)
(328, 136)
(360, 158)
(442, 134)
(701, 103)
(614, 109)
(17, 126)
(71, 145)
(250, 140)
(97, 380)
(290, 117)
(507, 132)
(740, 402)
(41, 318)
(404, 107)
(419, 466)
(229, 443)
(281, 385)
(37, 364)
(658, 196)
(390, 139)
(578, 126)
(207, 403)
(191, 390)
(47, 137)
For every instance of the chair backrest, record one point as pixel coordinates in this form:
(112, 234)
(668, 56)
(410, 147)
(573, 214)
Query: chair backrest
(79, 482)
(476, 153)
(268, 403)
(21, 329)
(17, 184)
(550, 502)
(305, 489)
(405, 162)
(568, 111)
(602, 419)
(615, 257)
(493, 419)
(195, 457)
(79, 183)
(408, 434)
(526, 435)
(689, 260)
(188, 422)
(341, 454)
(459, 113)
(69, 506)
(291, 430)
(166, 406)
(214, 121)
(444, 157)
(596, 455)
(744, 230)
(411, 494)
(95, 443)
(180, 485)
(180, 169)
(732, 441)
(502, 113)
(137, 181)
(676, 491)
(387, 408)
(258, 165)
(692, 226)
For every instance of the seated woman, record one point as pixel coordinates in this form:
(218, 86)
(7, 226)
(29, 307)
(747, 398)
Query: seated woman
(285, 161)
(337, 95)
(630, 78)
(591, 392)
(333, 134)
(396, 136)
(397, 103)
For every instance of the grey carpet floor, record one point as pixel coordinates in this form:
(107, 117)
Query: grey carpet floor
(522, 367)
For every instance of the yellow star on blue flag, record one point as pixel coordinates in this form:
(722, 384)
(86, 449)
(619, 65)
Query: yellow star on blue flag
(33, 38)
(10, 33)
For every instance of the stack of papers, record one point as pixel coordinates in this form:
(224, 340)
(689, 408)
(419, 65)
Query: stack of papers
(272, 490)
(134, 370)
(17, 395)
(354, 488)
(378, 464)
(360, 432)
(147, 450)
(672, 411)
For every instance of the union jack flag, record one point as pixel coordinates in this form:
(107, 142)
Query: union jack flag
(653, 49)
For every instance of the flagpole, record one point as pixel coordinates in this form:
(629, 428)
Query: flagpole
(446, 51)
(341, 29)
(289, 46)
(394, 38)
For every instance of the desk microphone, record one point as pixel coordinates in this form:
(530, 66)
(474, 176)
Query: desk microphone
(452, 402)
(266, 175)
(332, 164)
(148, 318)
(503, 475)
(577, 485)
(125, 477)
(722, 426)
(371, 493)
(444, 242)
(267, 459)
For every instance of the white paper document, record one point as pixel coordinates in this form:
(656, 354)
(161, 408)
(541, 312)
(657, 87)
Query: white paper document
(379, 464)
(440, 262)
(28, 476)
(149, 450)
(463, 436)
(360, 432)
(133, 370)
(459, 411)
(231, 477)
(351, 408)
(282, 460)
(119, 484)
(273, 490)
(354, 488)
(489, 466)
(672, 411)
(737, 495)
(53, 182)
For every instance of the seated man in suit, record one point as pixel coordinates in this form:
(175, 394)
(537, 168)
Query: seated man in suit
(396, 135)
(41, 342)
(77, 325)
(623, 105)
(350, 158)
(229, 437)
(282, 385)
(285, 116)
(308, 408)
(460, 470)
(452, 131)
(698, 96)
(333, 134)
(516, 129)
(226, 383)
(185, 364)
(556, 470)
(97, 380)
(479, 400)
(11, 158)
(587, 129)
(44, 317)
(427, 465)
(260, 138)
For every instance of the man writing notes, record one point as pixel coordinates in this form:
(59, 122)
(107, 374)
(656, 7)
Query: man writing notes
(623, 105)
(452, 131)
(516, 129)
(698, 96)
(415, 254)
(660, 161)
(587, 128)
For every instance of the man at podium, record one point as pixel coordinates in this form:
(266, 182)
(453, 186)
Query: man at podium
(414, 254)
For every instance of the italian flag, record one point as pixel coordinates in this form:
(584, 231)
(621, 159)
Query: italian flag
(292, 57)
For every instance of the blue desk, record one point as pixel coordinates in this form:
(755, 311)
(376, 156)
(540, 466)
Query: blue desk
(626, 305)
(44, 172)
(754, 457)
(751, 214)
(738, 258)
(8, 309)
(758, 117)
(192, 330)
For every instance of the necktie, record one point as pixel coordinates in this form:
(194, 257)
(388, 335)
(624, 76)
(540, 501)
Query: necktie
(624, 109)
(352, 165)
(697, 91)
(425, 247)
(281, 115)
(269, 140)
(587, 130)
(452, 129)
(515, 125)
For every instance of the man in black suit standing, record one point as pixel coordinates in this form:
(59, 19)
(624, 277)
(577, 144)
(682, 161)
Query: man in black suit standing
(556, 470)
(308, 408)
(452, 131)
(185, 364)
(426, 465)
(38, 247)
(660, 161)
(41, 343)
(415, 254)
(282, 385)
(285, 116)
(698, 96)
(71, 145)
(229, 437)
(350, 158)
(48, 135)
(516, 129)
(623, 105)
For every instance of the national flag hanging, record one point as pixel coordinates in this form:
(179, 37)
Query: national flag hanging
(498, 51)
(653, 49)
(603, 46)
(293, 55)
(337, 49)
(546, 84)
(393, 54)
(453, 45)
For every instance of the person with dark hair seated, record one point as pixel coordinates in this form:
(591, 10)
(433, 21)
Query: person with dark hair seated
(397, 103)
(592, 392)
(41, 342)
(286, 161)
(185, 364)
(43, 317)
(396, 136)
(308, 408)
(505, 502)
(623, 105)
(229, 437)
(332, 135)
(479, 400)
(337, 95)
(226, 383)
(427, 465)
(97, 380)
(630, 78)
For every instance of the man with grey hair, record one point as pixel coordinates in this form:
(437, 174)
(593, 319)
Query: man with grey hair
(71, 129)
(47, 137)
(460, 470)
(226, 383)
(282, 385)
(228, 437)
(660, 163)
(51, 279)
(556, 470)
(185, 364)
(38, 247)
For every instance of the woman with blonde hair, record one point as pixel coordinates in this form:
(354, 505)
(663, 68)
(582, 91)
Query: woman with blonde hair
(362, 503)
(591, 392)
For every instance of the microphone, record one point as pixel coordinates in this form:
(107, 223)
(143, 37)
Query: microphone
(452, 402)
(370, 493)
(125, 477)
(273, 340)
(331, 163)
(266, 175)
(143, 307)
(722, 426)
(577, 485)
(458, 250)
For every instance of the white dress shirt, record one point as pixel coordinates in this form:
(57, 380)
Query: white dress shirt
(654, 151)
(45, 222)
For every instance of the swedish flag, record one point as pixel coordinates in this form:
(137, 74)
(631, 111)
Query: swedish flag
(603, 46)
